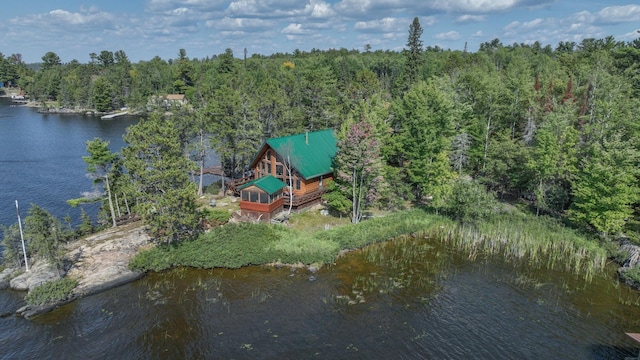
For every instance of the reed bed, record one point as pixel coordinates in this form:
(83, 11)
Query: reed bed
(542, 242)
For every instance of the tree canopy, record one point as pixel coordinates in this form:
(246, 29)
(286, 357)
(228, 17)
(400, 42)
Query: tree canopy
(554, 126)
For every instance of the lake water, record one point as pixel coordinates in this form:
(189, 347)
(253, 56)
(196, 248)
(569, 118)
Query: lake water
(41, 158)
(412, 299)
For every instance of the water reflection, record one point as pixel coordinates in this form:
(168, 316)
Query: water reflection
(403, 300)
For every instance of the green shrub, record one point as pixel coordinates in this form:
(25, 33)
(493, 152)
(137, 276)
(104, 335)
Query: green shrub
(50, 292)
(470, 202)
(216, 217)
(237, 245)
(631, 275)
(213, 188)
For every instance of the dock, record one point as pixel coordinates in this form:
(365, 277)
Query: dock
(111, 116)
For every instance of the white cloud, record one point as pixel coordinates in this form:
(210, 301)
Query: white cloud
(450, 35)
(319, 9)
(294, 29)
(466, 19)
(58, 17)
(516, 27)
(382, 25)
(618, 14)
(237, 24)
(165, 6)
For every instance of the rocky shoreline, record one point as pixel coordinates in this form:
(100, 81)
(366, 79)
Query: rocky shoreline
(98, 262)
(632, 260)
(45, 109)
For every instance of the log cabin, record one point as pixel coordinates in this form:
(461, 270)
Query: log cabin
(289, 171)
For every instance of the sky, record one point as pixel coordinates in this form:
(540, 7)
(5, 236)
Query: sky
(73, 29)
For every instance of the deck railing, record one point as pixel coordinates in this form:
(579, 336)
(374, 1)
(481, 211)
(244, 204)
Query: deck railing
(234, 184)
(299, 200)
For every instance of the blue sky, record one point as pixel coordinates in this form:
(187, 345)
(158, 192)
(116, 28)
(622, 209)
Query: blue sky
(143, 29)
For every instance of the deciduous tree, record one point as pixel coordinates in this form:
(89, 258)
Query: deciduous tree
(359, 169)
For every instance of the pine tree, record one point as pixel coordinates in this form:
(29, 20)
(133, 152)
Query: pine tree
(159, 173)
(414, 54)
(100, 161)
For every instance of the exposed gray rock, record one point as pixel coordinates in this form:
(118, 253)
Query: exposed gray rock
(632, 260)
(39, 273)
(5, 276)
(633, 254)
(98, 262)
(102, 262)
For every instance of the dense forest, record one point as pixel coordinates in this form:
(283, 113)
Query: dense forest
(556, 126)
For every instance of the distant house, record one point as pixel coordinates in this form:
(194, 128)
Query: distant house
(174, 99)
(302, 160)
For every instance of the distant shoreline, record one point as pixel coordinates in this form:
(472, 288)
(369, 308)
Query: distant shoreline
(53, 109)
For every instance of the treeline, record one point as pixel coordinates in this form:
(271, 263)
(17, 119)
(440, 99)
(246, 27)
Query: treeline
(555, 125)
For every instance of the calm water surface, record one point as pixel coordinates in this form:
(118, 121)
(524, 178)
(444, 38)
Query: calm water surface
(400, 300)
(381, 303)
(41, 158)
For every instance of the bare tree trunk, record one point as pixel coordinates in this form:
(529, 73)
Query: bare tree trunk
(486, 142)
(126, 203)
(113, 213)
(202, 156)
(224, 190)
(117, 205)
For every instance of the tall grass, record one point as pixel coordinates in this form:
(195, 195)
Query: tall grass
(236, 245)
(542, 242)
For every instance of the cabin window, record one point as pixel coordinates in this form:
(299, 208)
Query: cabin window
(253, 196)
(297, 184)
(268, 168)
(245, 195)
(264, 198)
(279, 170)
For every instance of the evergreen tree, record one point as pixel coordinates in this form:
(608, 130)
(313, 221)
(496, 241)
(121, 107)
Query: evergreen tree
(102, 95)
(99, 163)
(159, 174)
(426, 115)
(44, 235)
(12, 246)
(414, 53)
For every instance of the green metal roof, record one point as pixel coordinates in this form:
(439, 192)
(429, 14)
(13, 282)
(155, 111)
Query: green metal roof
(311, 153)
(268, 184)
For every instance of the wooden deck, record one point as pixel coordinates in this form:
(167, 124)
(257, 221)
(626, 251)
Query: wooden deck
(300, 200)
(234, 184)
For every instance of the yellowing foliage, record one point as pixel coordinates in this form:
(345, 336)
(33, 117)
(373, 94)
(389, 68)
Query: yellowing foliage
(288, 64)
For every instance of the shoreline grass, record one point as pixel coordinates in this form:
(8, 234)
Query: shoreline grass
(542, 242)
